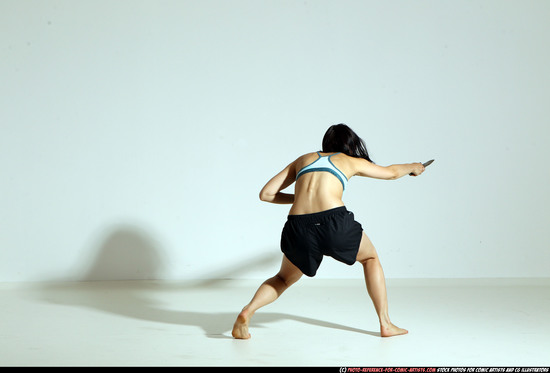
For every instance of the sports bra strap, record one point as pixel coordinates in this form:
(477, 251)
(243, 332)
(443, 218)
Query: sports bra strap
(327, 166)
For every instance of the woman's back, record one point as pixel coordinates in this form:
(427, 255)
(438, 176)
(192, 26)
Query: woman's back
(320, 188)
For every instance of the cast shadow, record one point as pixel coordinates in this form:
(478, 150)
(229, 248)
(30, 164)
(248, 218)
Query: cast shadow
(130, 253)
(133, 300)
(125, 253)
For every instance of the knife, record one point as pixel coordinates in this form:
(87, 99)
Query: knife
(426, 164)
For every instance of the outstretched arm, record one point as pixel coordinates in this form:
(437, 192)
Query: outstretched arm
(271, 192)
(395, 171)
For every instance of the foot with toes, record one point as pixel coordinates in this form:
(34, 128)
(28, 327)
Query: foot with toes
(391, 330)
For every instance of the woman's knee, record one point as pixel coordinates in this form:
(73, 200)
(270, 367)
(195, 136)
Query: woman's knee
(366, 261)
(289, 273)
(366, 251)
(289, 278)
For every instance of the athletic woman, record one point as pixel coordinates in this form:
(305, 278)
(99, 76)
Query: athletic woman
(319, 224)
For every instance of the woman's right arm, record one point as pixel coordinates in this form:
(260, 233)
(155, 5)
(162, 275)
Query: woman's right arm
(271, 192)
(395, 171)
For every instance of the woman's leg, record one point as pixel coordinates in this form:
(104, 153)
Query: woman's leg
(376, 286)
(270, 290)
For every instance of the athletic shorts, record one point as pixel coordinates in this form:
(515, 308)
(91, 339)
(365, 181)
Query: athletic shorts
(307, 238)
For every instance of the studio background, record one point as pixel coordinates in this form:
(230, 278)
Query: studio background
(136, 135)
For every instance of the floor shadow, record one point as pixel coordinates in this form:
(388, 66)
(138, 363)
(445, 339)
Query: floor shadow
(129, 253)
(133, 300)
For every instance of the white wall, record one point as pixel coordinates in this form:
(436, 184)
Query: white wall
(136, 135)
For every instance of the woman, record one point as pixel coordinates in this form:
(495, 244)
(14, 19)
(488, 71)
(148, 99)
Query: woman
(319, 224)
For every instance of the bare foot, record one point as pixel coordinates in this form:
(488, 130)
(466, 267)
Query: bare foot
(240, 328)
(391, 330)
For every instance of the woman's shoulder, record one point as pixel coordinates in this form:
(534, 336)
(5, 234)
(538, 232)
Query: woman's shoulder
(347, 158)
(304, 159)
(306, 156)
(350, 165)
(314, 155)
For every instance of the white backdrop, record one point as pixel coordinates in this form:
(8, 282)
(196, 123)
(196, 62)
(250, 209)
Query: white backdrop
(136, 135)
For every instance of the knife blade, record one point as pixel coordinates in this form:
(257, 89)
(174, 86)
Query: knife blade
(426, 164)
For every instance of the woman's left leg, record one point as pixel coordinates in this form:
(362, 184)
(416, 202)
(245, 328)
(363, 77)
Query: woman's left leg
(268, 292)
(376, 286)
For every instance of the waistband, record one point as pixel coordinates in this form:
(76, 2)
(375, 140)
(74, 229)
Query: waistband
(316, 216)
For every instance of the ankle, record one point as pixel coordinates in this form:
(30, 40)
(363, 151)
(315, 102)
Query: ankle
(246, 313)
(385, 321)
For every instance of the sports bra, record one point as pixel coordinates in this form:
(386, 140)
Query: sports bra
(323, 163)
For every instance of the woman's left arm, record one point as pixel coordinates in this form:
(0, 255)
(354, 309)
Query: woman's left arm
(271, 192)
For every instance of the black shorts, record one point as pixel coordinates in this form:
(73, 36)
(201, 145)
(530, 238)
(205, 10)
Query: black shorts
(306, 238)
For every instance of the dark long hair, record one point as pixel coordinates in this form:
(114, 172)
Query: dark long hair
(341, 138)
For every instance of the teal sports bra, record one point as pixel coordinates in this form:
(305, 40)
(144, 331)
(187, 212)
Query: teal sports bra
(323, 163)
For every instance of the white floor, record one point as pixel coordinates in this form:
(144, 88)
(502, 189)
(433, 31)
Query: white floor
(315, 323)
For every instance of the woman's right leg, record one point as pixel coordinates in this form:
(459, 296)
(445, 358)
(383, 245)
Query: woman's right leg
(269, 291)
(376, 286)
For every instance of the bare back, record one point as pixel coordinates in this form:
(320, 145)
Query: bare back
(316, 190)
(319, 191)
